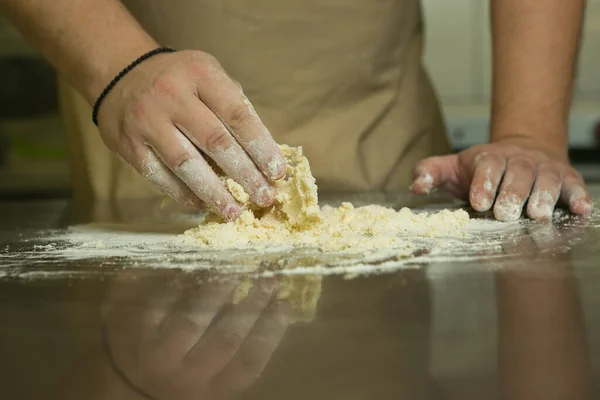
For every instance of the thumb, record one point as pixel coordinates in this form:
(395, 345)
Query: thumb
(434, 172)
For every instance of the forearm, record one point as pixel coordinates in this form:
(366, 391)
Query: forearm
(535, 45)
(88, 42)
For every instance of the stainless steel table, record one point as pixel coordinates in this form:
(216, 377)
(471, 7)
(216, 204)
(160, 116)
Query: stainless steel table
(522, 325)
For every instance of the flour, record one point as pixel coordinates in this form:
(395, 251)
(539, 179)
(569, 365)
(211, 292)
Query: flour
(296, 237)
(94, 249)
(297, 221)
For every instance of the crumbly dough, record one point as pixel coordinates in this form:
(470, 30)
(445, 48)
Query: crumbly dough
(296, 220)
(300, 292)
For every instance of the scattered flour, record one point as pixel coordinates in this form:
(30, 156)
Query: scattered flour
(94, 249)
(293, 238)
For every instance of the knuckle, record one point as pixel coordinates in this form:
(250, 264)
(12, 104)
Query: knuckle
(511, 149)
(136, 110)
(230, 341)
(198, 67)
(521, 163)
(208, 59)
(251, 362)
(239, 115)
(178, 159)
(217, 138)
(487, 158)
(548, 168)
(552, 182)
(202, 63)
(573, 175)
(164, 86)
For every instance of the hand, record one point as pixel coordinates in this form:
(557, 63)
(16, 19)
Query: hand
(185, 340)
(506, 174)
(174, 114)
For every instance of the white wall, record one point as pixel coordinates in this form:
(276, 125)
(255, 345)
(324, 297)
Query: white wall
(458, 52)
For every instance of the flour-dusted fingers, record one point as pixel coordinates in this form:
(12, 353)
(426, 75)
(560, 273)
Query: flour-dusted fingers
(515, 189)
(180, 155)
(546, 191)
(132, 150)
(208, 133)
(225, 336)
(226, 99)
(151, 167)
(574, 193)
(488, 172)
(256, 351)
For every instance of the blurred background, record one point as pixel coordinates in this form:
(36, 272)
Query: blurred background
(33, 152)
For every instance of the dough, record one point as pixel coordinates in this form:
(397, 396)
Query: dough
(295, 220)
(301, 292)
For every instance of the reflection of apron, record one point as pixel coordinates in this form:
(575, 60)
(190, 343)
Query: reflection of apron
(343, 78)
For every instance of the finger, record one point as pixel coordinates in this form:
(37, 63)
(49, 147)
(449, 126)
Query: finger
(223, 339)
(575, 195)
(545, 192)
(176, 151)
(434, 172)
(514, 190)
(219, 92)
(254, 354)
(489, 169)
(186, 323)
(155, 171)
(132, 151)
(207, 132)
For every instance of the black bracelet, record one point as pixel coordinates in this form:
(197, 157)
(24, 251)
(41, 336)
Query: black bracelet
(131, 66)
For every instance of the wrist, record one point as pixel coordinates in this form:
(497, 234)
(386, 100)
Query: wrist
(106, 69)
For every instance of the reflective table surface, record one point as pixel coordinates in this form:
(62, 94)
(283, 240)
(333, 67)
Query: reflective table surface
(523, 325)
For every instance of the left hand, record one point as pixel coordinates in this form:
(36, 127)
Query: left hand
(504, 175)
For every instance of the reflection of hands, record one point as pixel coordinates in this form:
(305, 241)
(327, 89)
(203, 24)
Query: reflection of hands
(542, 351)
(171, 341)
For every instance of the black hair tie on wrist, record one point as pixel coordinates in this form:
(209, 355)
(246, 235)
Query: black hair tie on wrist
(127, 69)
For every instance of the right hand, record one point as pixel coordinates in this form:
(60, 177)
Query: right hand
(175, 109)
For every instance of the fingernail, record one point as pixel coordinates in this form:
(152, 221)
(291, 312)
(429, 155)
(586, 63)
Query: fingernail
(579, 199)
(277, 168)
(586, 207)
(232, 212)
(481, 203)
(542, 205)
(509, 209)
(424, 182)
(266, 196)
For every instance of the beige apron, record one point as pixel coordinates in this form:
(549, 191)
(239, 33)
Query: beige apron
(342, 78)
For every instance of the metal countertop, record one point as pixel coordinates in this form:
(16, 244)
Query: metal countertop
(520, 325)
